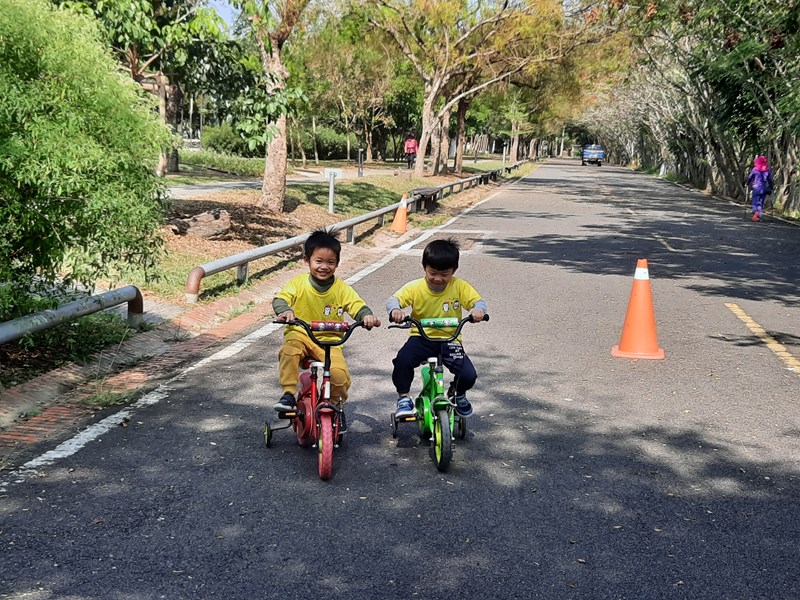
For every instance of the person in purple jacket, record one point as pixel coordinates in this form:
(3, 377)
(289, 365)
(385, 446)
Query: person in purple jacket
(760, 182)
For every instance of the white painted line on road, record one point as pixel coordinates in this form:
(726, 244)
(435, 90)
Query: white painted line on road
(93, 432)
(778, 349)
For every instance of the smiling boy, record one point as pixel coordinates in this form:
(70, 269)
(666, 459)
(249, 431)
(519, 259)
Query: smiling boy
(438, 294)
(316, 296)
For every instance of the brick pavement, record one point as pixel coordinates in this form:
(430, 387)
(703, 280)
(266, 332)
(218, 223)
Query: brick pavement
(57, 404)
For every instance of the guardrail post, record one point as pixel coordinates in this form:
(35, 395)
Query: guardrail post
(135, 307)
(350, 234)
(193, 284)
(241, 273)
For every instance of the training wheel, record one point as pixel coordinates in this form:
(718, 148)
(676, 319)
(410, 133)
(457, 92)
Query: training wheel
(267, 434)
(394, 426)
(461, 428)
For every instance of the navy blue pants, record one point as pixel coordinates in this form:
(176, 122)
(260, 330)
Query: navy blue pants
(417, 350)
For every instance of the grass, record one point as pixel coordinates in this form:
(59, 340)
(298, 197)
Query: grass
(105, 399)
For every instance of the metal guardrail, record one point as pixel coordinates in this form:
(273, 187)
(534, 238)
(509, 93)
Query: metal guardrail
(426, 197)
(46, 319)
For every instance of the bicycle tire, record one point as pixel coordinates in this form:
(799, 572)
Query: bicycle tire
(325, 445)
(442, 448)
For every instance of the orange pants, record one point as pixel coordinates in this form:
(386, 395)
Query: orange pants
(296, 346)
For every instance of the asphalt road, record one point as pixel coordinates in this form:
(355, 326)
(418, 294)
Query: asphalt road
(583, 475)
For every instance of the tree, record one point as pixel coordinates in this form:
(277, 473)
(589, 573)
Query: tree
(78, 198)
(272, 24)
(154, 39)
(717, 84)
(449, 42)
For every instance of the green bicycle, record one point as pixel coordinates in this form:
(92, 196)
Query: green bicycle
(436, 417)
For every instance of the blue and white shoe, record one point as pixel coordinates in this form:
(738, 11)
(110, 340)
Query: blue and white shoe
(463, 407)
(286, 403)
(405, 407)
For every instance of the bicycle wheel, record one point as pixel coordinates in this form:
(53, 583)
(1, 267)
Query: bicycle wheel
(325, 445)
(442, 441)
(267, 434)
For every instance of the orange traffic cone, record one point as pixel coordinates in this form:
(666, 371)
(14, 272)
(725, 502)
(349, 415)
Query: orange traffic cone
(639, 331)
(401, 216)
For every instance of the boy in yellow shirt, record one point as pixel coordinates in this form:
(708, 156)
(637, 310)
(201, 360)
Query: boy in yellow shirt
(438, 294)
(316, 296)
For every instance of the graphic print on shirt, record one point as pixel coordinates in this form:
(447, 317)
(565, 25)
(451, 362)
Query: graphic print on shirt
(446, 307)
(327, 311)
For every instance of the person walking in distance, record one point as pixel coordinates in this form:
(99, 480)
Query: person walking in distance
(411, 148)
(760, 183)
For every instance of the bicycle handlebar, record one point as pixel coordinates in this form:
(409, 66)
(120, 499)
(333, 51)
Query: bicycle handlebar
(437, 324)
(329, 326)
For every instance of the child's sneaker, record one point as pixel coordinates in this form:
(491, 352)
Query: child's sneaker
(463, 407)
(286, 403)
(756, 216)
(405, 407)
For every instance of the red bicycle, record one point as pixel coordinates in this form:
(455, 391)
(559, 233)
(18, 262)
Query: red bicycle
(316, 420)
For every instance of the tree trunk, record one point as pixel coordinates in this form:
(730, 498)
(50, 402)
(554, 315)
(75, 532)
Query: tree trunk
(436, 143)
(174, 109)
(314, 134)
(461, 119)
(444, 142)
(274, 186)
(428, 123)
(273, 189)
(161, 82)
(512, 155)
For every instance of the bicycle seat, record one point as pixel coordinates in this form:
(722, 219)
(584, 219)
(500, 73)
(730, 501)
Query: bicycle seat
(308, 362)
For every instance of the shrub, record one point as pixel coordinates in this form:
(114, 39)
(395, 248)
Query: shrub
(224, 162)
(330, 143)
(78, 145)
(224, 140)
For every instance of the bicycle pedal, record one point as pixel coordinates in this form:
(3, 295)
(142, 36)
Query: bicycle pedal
(287, 414)
(406, 418)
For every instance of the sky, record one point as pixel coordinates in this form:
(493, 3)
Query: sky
(224, 9)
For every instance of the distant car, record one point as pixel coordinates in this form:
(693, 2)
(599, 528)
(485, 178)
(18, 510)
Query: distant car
(593, 154)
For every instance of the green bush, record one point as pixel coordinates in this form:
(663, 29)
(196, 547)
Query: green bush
(236, 165)
(330, 143)
(78, 145)
(224, 140)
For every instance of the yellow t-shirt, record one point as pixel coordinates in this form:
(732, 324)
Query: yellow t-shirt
(425, 304)
(310, 305)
